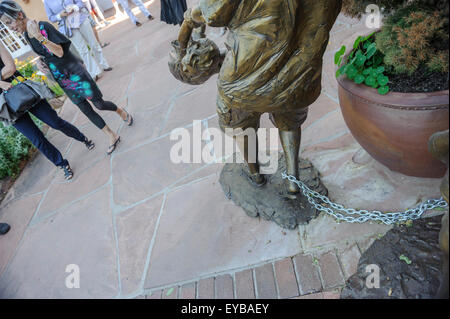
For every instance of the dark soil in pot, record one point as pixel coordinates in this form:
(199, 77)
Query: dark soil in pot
(421, 81)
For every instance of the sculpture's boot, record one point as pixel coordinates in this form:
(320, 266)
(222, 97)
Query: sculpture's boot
(250, 155)
(291, 147)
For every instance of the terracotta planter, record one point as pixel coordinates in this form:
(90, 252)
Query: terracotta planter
(395, 128)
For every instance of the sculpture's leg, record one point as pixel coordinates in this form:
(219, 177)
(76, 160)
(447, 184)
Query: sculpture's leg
(250, 154)
(289, 126)
(291, 147)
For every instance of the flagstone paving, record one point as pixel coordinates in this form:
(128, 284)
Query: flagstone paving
(138, 225)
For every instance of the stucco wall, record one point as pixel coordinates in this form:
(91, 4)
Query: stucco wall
(34, 9)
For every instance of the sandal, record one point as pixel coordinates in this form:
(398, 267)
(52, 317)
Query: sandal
(129, 120)
(89, 144)
(112, 147)
(68, 173)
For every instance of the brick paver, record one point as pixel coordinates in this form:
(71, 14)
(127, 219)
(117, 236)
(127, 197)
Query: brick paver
(286, 280)
(244, 284)
(224, 287)
(330, 270)
(308, 275)
(265, 282)
(205, 288)
(188, 291)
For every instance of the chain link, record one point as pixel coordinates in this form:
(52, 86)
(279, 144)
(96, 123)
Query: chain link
(336, 210)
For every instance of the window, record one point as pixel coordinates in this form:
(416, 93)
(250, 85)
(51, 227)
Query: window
(14, 42)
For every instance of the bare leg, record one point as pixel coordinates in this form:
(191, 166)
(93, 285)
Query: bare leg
(291, 147)
(96, 35)
(111, 134)
(125, 116)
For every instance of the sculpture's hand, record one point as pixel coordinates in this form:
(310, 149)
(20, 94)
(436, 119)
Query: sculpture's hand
(193, 18)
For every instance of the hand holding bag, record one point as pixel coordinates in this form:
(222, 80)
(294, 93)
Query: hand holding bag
(21, 97)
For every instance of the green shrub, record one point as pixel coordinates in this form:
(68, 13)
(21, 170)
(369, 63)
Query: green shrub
(14, 147)
(408, 40)
(415, 33)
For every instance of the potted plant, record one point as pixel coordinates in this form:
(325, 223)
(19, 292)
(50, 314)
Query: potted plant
(393, 83)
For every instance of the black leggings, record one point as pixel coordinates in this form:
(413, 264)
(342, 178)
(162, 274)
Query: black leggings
(93, 116)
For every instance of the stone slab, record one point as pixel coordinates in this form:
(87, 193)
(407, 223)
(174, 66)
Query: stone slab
(211, 235)
(82, 235)
(135, 228)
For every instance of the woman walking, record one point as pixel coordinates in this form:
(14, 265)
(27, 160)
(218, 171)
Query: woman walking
(68, 71)
(80, 31)
(45, 113)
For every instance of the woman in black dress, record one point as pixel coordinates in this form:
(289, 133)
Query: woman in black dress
(172, 11)
(67, 69)
(45, 113)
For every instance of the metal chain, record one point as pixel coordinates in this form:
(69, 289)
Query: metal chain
(364, 215)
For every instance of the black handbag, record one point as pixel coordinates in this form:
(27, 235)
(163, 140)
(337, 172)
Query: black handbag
(21, 98)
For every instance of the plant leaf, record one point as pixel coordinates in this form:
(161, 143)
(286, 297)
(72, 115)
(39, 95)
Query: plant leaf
(380, 69)
(371, 81)
(369, 36)
(357, 42)
(383, 80)
(359, 79)
(371, 50)
(368, 71)
(360, 58)
(383, 90)
(405, 259)
(351, 72)
(338, 55)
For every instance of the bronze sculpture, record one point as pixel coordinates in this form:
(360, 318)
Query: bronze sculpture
(273, 64)
(439, 148)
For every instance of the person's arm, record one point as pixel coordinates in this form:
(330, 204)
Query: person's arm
(34, 32)
(10, 68)
(52, 16)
